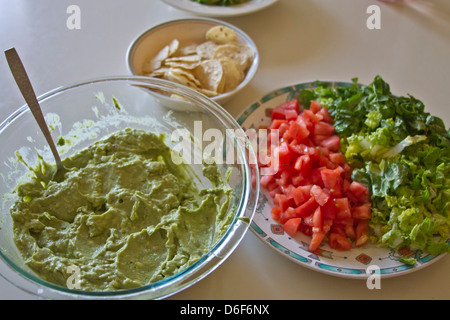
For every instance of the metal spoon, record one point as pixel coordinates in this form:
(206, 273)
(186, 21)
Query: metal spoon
(24, 84)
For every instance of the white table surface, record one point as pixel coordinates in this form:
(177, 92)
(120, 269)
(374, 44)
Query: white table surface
(298, 40)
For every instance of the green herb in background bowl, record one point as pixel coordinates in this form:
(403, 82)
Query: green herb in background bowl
(220, 2)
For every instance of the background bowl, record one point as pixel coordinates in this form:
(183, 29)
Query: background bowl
(86, 112)
(186, 31)
(220, 11)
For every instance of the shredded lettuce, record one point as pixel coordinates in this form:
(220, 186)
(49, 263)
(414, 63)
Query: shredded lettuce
(402, 154)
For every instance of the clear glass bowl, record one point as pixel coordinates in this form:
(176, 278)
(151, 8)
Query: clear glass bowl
(84, 113)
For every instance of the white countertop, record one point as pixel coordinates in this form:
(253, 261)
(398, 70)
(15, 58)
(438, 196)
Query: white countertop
(298, 40)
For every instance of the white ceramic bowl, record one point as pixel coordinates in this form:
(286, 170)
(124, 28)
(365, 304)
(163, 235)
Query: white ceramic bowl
(186, 31)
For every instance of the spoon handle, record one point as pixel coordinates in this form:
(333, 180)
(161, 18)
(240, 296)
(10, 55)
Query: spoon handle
(24, 84)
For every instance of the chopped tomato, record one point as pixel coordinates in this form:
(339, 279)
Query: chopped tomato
(292, 104)
(333, 143)
(336, 192)
(316, 240)
(305, 229)
(283, 201)
(275, 212)
(292, 226)
(287, 190)
(273, 186)
(290, 114)
(310, 116)
(362, 233)
(307, 208)
(312, 191)
(299, 148)
(337, 157)
(339, 242)
(283, 154)
(319, 138)
(298, 179)
(343, 210)
(316, 177)
(315, 106)
(274, 192)
(329, 209)
(325, 115)
(349, 229)
(266, 180)
(278, 113)
(276, 123)
(362, 212)
(283, 128)
(360, 191)
(303, 164)
(297, 131)
(319, 195)
(309, 220)
(323, 128)
(301, 194)
(317, 220)
(327, 224)
(330, 177)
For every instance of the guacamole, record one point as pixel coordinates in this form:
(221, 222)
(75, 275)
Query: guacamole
(125, 215)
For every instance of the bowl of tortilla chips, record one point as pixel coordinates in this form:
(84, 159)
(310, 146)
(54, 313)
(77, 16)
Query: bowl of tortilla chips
(210, 56)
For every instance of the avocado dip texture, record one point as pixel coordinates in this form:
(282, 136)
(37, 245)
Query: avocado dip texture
(125, 214)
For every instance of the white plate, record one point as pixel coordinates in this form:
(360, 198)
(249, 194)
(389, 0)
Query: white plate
(358, 263)
(220, 11)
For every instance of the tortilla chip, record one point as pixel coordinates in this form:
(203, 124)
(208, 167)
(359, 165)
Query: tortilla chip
(232, 75)
(221, 35)
(162, 55)
(206, 49)
(241, 54)
(209, 73)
